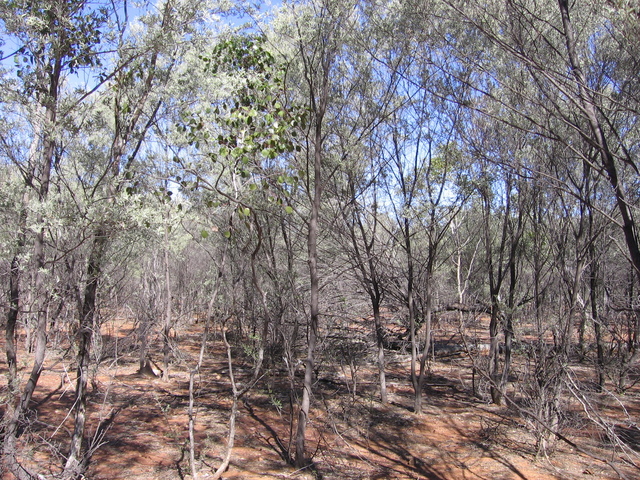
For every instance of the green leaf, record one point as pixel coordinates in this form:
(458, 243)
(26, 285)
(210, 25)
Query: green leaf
(227, 234)
(288, 209)
(204, 234)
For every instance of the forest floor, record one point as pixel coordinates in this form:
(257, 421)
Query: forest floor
(458, 436)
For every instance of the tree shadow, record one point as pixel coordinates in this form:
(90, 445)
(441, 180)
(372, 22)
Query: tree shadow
(390, 438)
(278, 446)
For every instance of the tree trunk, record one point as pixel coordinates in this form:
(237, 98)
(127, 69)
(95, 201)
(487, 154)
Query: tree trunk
(595, 316)
(508, 347)
(319, 99)
(14, 311)
(312, 246)
(76, 461)
(39, 254)
(494, 354)
(12, 318)
(382, 378)
(370, 281)
(166, 349)
(417, 393)
(427, 333)
(50, 104)
(508, 327)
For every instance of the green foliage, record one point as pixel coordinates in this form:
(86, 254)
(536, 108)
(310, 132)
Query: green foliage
(256, 120)
(240, 53)
(53, 36)
(274, 400)
(254, 126)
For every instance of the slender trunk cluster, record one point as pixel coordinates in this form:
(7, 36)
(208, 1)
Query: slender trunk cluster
(589, 107)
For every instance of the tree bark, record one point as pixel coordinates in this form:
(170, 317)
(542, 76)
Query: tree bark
(595, 316)
(77, 460)
(319, 99)
(370, 281)
(417, 392)
(312, 248)
(382, 377)
(166, 348)
(495, 284)
(14, 306)
(427, 330)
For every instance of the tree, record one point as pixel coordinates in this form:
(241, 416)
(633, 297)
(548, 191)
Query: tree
(363, 103)
(588, 104)
(317, 61)
(54, 39)
(99, 175)
(424, 177)
(136, 99)
(366, 246)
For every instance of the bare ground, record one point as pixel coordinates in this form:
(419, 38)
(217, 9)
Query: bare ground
(457, 437)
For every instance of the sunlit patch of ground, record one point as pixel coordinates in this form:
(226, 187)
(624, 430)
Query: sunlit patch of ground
(457, 437)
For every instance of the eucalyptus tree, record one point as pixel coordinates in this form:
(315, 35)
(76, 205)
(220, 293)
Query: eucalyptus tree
(325, 68)
(368, 247)
(424, 202)
(424, 171)
(503, 199)
(604, 131)
(573, 95)
(244, 136)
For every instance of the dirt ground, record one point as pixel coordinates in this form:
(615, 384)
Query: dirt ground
(457, 437)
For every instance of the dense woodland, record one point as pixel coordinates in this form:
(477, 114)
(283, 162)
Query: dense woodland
(275, 172)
